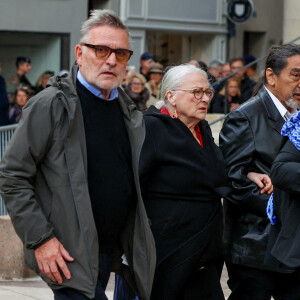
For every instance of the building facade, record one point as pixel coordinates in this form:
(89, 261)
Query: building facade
(174, 30)
(44, 30)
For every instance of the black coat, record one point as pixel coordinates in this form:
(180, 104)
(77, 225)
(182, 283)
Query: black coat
(247, 86)
(220, 104)
(181, 184)
(4, 104)
(250, 141)
(285, 175)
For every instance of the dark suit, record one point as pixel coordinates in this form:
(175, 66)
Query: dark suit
(250, 141)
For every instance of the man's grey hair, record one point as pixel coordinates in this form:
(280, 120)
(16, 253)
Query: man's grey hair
(215, 64)
(101, 17)
(175, 76)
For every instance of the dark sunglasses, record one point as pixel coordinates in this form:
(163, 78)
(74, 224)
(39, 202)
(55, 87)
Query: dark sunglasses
(103, 52)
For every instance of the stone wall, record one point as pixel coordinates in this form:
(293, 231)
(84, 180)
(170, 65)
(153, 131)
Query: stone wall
(12, 264)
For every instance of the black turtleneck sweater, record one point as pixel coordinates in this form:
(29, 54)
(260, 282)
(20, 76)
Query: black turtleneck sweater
(110, 177)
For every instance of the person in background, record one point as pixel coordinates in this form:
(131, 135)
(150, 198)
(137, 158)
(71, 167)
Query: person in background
(228, 99)
(194, 63)
(251, 71)
(4, 103)
(43, 80)
(146, 60)
(250, 141)
(225, 70)
(247, 85)
(154, 83)
(130, 70)
(22, 96)
(183, 175)
(215, 69)
(23, 65)
(137, 91)
(70, 180)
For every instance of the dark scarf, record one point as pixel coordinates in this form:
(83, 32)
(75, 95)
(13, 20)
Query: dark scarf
(140, 99)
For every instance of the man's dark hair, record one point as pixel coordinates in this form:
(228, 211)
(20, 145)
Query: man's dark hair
(277, 57)
(22, 60)
(233, 60)
(277, 61)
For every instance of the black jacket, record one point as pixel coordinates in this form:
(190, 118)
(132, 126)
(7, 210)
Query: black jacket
(250, 141)
(220, 104)
(247, 86)
(285, 176)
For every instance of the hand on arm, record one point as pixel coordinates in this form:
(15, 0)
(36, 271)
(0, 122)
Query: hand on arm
(263, 181)
(51, 257)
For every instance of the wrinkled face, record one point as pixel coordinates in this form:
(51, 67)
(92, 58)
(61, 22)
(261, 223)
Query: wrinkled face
(232, 88)
(21, 98)
(25, 67)
(136, 85)
(236, 66)
(156, 77)
(287, 85)
(185, 103)
(103, 74)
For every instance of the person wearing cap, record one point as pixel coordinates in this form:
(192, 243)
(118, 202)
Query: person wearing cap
(251, 70)
(146, 60)
(153, 85)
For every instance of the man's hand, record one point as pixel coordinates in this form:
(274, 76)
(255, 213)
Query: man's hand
(262, 180)
(52, 255)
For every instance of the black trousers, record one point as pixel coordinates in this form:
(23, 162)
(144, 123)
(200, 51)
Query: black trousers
(248, 283)
(180, 284)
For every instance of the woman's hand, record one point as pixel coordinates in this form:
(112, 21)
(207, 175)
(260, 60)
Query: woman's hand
(262, 180)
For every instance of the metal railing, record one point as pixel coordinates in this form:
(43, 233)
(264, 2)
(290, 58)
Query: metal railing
(6, 133)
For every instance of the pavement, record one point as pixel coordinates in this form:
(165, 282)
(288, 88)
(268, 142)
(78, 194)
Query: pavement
(36, 289)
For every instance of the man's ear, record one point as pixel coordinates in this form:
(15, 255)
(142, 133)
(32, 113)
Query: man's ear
(270, 75)
(78, 54)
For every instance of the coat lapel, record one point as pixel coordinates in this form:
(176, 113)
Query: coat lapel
(271, 110)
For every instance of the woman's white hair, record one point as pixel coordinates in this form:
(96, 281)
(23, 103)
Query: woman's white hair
(175, 76)
(101, 17)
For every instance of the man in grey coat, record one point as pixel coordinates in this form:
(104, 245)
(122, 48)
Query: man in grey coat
(69, 177)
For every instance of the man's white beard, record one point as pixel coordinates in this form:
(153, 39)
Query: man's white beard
(292, 104)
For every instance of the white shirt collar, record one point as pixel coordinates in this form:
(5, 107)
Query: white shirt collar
(282, 110)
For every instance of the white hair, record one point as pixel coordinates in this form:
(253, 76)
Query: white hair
(175, 76)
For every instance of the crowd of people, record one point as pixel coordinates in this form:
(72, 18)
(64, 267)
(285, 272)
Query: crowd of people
(11, 104)
(101, 178)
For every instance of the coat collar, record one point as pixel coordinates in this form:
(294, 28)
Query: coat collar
(271, 109)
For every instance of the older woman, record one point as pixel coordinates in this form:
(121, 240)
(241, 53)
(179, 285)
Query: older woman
(137, 91)
(182, 177)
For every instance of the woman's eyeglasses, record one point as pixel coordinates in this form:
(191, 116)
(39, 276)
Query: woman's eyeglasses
(103, 52)
(137, 83)
(198, 93)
